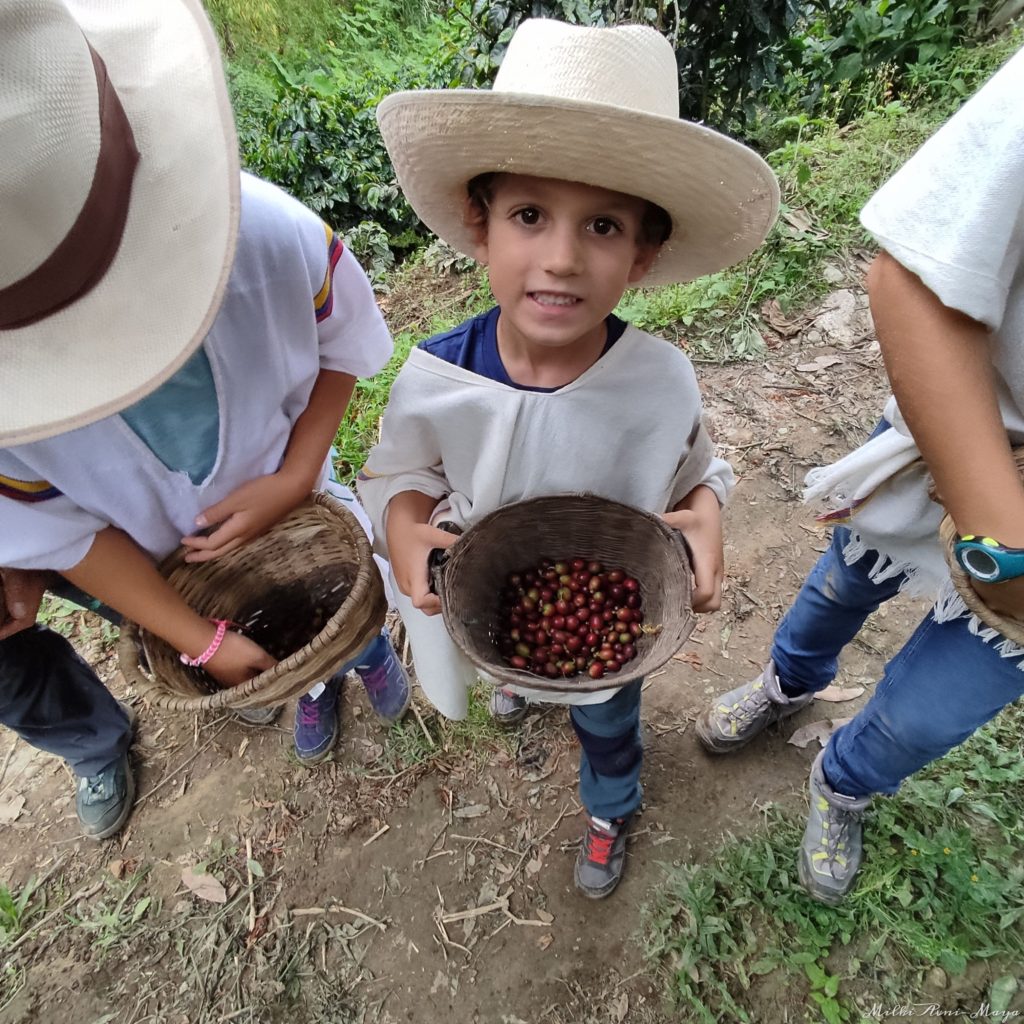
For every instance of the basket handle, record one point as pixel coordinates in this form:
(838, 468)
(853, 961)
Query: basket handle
(438, 557)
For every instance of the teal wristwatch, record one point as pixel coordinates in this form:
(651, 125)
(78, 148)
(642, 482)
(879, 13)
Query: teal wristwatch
(987, 560)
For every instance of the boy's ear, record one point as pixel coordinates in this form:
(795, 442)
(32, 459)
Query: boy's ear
(478, 226)
(646, 254)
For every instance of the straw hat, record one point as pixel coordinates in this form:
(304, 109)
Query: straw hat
(594, 105)
(119, 190)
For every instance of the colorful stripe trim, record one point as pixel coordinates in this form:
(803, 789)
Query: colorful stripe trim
(323, 301)
(27, 490)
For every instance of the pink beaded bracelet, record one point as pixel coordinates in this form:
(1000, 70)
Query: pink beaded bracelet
(218, 639)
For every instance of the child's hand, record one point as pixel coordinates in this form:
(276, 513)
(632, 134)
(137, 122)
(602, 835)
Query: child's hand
(245, 513)
(237, 659)
(409, 549)
(21, 593)
(700, 522)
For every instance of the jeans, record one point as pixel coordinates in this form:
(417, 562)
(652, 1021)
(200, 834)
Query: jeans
(943, 685)
(55, 702)
(611, 754)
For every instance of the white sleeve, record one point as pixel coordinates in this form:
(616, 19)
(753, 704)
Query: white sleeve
(954, 213)
(352, 333)
(407, 457)
(40, 528)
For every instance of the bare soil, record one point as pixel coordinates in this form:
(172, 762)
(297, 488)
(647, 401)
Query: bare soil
(359, 861)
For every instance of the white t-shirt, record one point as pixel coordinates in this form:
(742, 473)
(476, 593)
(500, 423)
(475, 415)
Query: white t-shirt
(954, 215)
(296, 302)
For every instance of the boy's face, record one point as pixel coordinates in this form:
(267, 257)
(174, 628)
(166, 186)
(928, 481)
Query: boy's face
(560, 255)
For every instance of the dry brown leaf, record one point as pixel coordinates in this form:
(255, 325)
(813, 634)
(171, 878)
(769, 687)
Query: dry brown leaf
(116, 868)
(620, 1007)
(543, 915)
(690, 657)
(205, 886)
(472, 811)
(837, 694)
(11, 808)
(819, 731)
(545, 940)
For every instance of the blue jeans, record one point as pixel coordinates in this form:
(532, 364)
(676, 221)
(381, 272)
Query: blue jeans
(943, 685)
(611, 754)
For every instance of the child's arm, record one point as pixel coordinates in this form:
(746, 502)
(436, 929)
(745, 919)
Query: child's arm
(940, 366)
(118, 572)
(254, 507)
(699, 518)
(410, 539)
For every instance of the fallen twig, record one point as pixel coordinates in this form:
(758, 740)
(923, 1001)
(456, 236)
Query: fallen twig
(376, 835)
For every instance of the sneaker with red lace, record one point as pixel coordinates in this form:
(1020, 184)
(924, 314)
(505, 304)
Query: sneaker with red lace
(316, 722)
(602, 857)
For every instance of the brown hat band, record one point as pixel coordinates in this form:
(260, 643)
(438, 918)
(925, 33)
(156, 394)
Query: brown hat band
(81, 259)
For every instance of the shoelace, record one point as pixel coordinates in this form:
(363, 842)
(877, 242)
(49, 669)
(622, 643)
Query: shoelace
(94, 787)
(750, 706)
(309, 712)
(374, 679)
(599, 846)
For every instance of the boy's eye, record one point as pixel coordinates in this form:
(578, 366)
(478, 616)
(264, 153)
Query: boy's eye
(604, 226)
(528, 215)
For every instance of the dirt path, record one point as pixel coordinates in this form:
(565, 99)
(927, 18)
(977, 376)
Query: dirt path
(407, 834)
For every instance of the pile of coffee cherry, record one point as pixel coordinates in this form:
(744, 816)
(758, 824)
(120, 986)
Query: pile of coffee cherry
(566, 617)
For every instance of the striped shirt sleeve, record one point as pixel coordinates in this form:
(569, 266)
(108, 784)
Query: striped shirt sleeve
(351, 331)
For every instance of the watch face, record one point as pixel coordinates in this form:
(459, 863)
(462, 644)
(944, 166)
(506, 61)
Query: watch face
(979, 563)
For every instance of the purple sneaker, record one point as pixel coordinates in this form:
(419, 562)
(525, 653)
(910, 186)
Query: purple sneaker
(316, 723)
(386, 681)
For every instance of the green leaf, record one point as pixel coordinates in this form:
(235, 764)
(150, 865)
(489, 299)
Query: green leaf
(255, 868)
(141, 907)
(953, 962)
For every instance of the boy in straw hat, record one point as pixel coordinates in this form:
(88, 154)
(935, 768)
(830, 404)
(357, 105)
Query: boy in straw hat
(177, 347)
(947, 296)
(572, 180)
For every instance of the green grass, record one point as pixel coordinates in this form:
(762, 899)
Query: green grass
(475, 738)
(941, 885)
(17, 908)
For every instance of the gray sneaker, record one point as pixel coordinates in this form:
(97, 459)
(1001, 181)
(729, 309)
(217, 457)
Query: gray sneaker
(506, 707)
(103, 801)
(736, 717)
(257, 716)
(602, 857)
(832, 849)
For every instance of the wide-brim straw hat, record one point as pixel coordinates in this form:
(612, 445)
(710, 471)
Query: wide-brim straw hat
(594, 105)
(119, 196)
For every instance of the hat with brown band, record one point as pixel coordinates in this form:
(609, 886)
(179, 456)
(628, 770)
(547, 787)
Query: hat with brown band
(118, 204)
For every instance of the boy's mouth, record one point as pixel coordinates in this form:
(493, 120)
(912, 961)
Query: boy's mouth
(553, 299)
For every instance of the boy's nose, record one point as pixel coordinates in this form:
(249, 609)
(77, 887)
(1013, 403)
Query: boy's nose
(563, 254)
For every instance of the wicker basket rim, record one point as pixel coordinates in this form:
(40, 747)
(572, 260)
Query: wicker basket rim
(267, 683)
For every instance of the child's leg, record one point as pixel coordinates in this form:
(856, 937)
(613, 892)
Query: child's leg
(611, 754)
(939, 689)
(610, 758)
(55, 702)
(827, 614)
(943, 685)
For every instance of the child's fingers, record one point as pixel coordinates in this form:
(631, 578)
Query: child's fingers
(217, 513)
(209, 554)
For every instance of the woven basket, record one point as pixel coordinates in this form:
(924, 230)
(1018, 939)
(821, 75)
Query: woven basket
(307, 591)
(1012, 629)
(470, 579)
